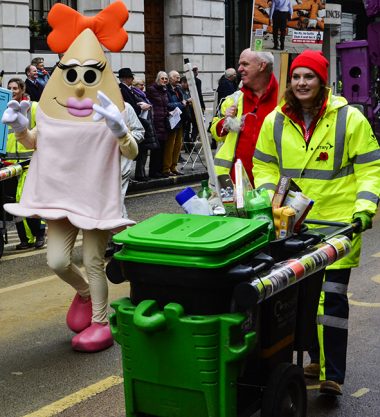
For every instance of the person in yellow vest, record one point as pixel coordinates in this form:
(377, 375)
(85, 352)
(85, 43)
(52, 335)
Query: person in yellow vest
(30, 231)
(329, 150)
(237, 124)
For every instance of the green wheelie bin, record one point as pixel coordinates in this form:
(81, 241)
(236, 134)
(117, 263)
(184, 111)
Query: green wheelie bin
(193, 342)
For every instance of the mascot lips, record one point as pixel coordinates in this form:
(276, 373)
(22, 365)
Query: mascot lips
(78, 108)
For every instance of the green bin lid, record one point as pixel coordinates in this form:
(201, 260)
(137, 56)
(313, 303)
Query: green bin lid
(192, 240)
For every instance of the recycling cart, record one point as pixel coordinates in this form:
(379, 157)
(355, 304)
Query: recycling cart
(8, 184)
(215, 312)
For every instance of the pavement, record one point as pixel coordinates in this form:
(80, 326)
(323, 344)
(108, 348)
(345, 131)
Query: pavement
(193, 167)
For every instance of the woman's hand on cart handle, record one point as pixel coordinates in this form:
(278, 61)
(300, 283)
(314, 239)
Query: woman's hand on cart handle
(362, 221)
(15, 115)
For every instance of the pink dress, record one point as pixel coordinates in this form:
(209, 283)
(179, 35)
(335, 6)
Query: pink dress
(75, 174)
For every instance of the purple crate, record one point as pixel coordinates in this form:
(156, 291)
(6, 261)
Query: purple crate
(355, 68)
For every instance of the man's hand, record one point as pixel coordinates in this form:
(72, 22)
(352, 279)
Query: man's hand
(364, 219)
(15, 115)
(231, 111)
(109, 111)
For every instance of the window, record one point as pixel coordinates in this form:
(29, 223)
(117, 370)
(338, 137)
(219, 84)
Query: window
(38, 25)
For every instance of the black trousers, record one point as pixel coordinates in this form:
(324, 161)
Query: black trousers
(36, 227)
(140, 162)
(329, 347)
(156, 159)
(279, 24)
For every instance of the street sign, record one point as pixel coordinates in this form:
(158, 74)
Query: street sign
(333, 14)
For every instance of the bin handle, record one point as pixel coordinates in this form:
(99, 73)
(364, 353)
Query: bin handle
(148, 317)
(113, 326)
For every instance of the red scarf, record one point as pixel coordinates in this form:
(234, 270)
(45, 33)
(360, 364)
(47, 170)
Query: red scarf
(307, 133)
(255, 110)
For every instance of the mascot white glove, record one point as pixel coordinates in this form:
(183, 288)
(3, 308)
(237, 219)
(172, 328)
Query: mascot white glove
(109, 111)
(15, 115)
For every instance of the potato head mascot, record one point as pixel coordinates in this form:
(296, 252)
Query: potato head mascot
(74, 176)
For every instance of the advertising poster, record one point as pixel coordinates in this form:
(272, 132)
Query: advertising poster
(300, 26)
(5, 96)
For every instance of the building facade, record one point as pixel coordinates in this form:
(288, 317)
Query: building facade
(162, 33)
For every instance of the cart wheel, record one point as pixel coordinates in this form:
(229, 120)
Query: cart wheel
(1, 244)
(285, 394)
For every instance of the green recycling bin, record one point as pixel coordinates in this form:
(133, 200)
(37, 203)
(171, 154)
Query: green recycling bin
(178, 365)
(183, 350)
(186, 259)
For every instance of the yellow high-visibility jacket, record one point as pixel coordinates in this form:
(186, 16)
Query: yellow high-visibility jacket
(16, 152)
(342, 181)
(225, 156)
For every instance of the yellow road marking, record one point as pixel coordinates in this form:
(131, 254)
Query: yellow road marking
(376, 279)
(27, 253)
(28, 284)
(77, 397)
(360, 392)
(364, 304)
(376, 255)
(166, 190)
(34, 282)
(361, 303)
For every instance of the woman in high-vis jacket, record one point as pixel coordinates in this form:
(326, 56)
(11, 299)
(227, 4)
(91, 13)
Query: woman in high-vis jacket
(330, 151)
(31, 231)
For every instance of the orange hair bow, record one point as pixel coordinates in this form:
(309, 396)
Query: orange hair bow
(107, 25)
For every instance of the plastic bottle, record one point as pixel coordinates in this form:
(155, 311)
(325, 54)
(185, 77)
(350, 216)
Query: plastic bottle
(205, 191)
(191, 203)
(260, 208)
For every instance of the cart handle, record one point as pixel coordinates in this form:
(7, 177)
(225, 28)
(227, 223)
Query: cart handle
(345, 228)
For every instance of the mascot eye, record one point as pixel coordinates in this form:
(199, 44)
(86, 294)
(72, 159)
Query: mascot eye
(91, 76)
(71, 75)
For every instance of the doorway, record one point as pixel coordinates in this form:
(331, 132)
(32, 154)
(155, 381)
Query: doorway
(154, 39)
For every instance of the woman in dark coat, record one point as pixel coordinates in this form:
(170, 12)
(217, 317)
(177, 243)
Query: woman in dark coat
(156, 94)
(150, 141)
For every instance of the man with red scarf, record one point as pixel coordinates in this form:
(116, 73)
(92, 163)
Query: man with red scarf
(243, 112)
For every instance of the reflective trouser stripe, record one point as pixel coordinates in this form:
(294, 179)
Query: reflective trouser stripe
(334, 287)
(332, 326)
(332, 321)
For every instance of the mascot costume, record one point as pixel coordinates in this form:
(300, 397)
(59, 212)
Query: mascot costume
(74, 179)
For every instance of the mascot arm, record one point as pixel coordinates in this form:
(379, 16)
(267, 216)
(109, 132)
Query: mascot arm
(27, 138)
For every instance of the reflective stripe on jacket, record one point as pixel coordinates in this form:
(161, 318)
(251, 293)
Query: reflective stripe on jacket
(339, 169)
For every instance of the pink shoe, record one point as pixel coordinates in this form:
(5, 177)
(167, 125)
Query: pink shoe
(95, 338)
(79, 315)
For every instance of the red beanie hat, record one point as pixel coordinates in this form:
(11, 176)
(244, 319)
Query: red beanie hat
(313, 60)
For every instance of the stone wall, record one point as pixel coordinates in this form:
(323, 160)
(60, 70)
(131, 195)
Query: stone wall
(194, 29)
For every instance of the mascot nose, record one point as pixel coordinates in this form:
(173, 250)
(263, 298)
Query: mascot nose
(79, 90)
